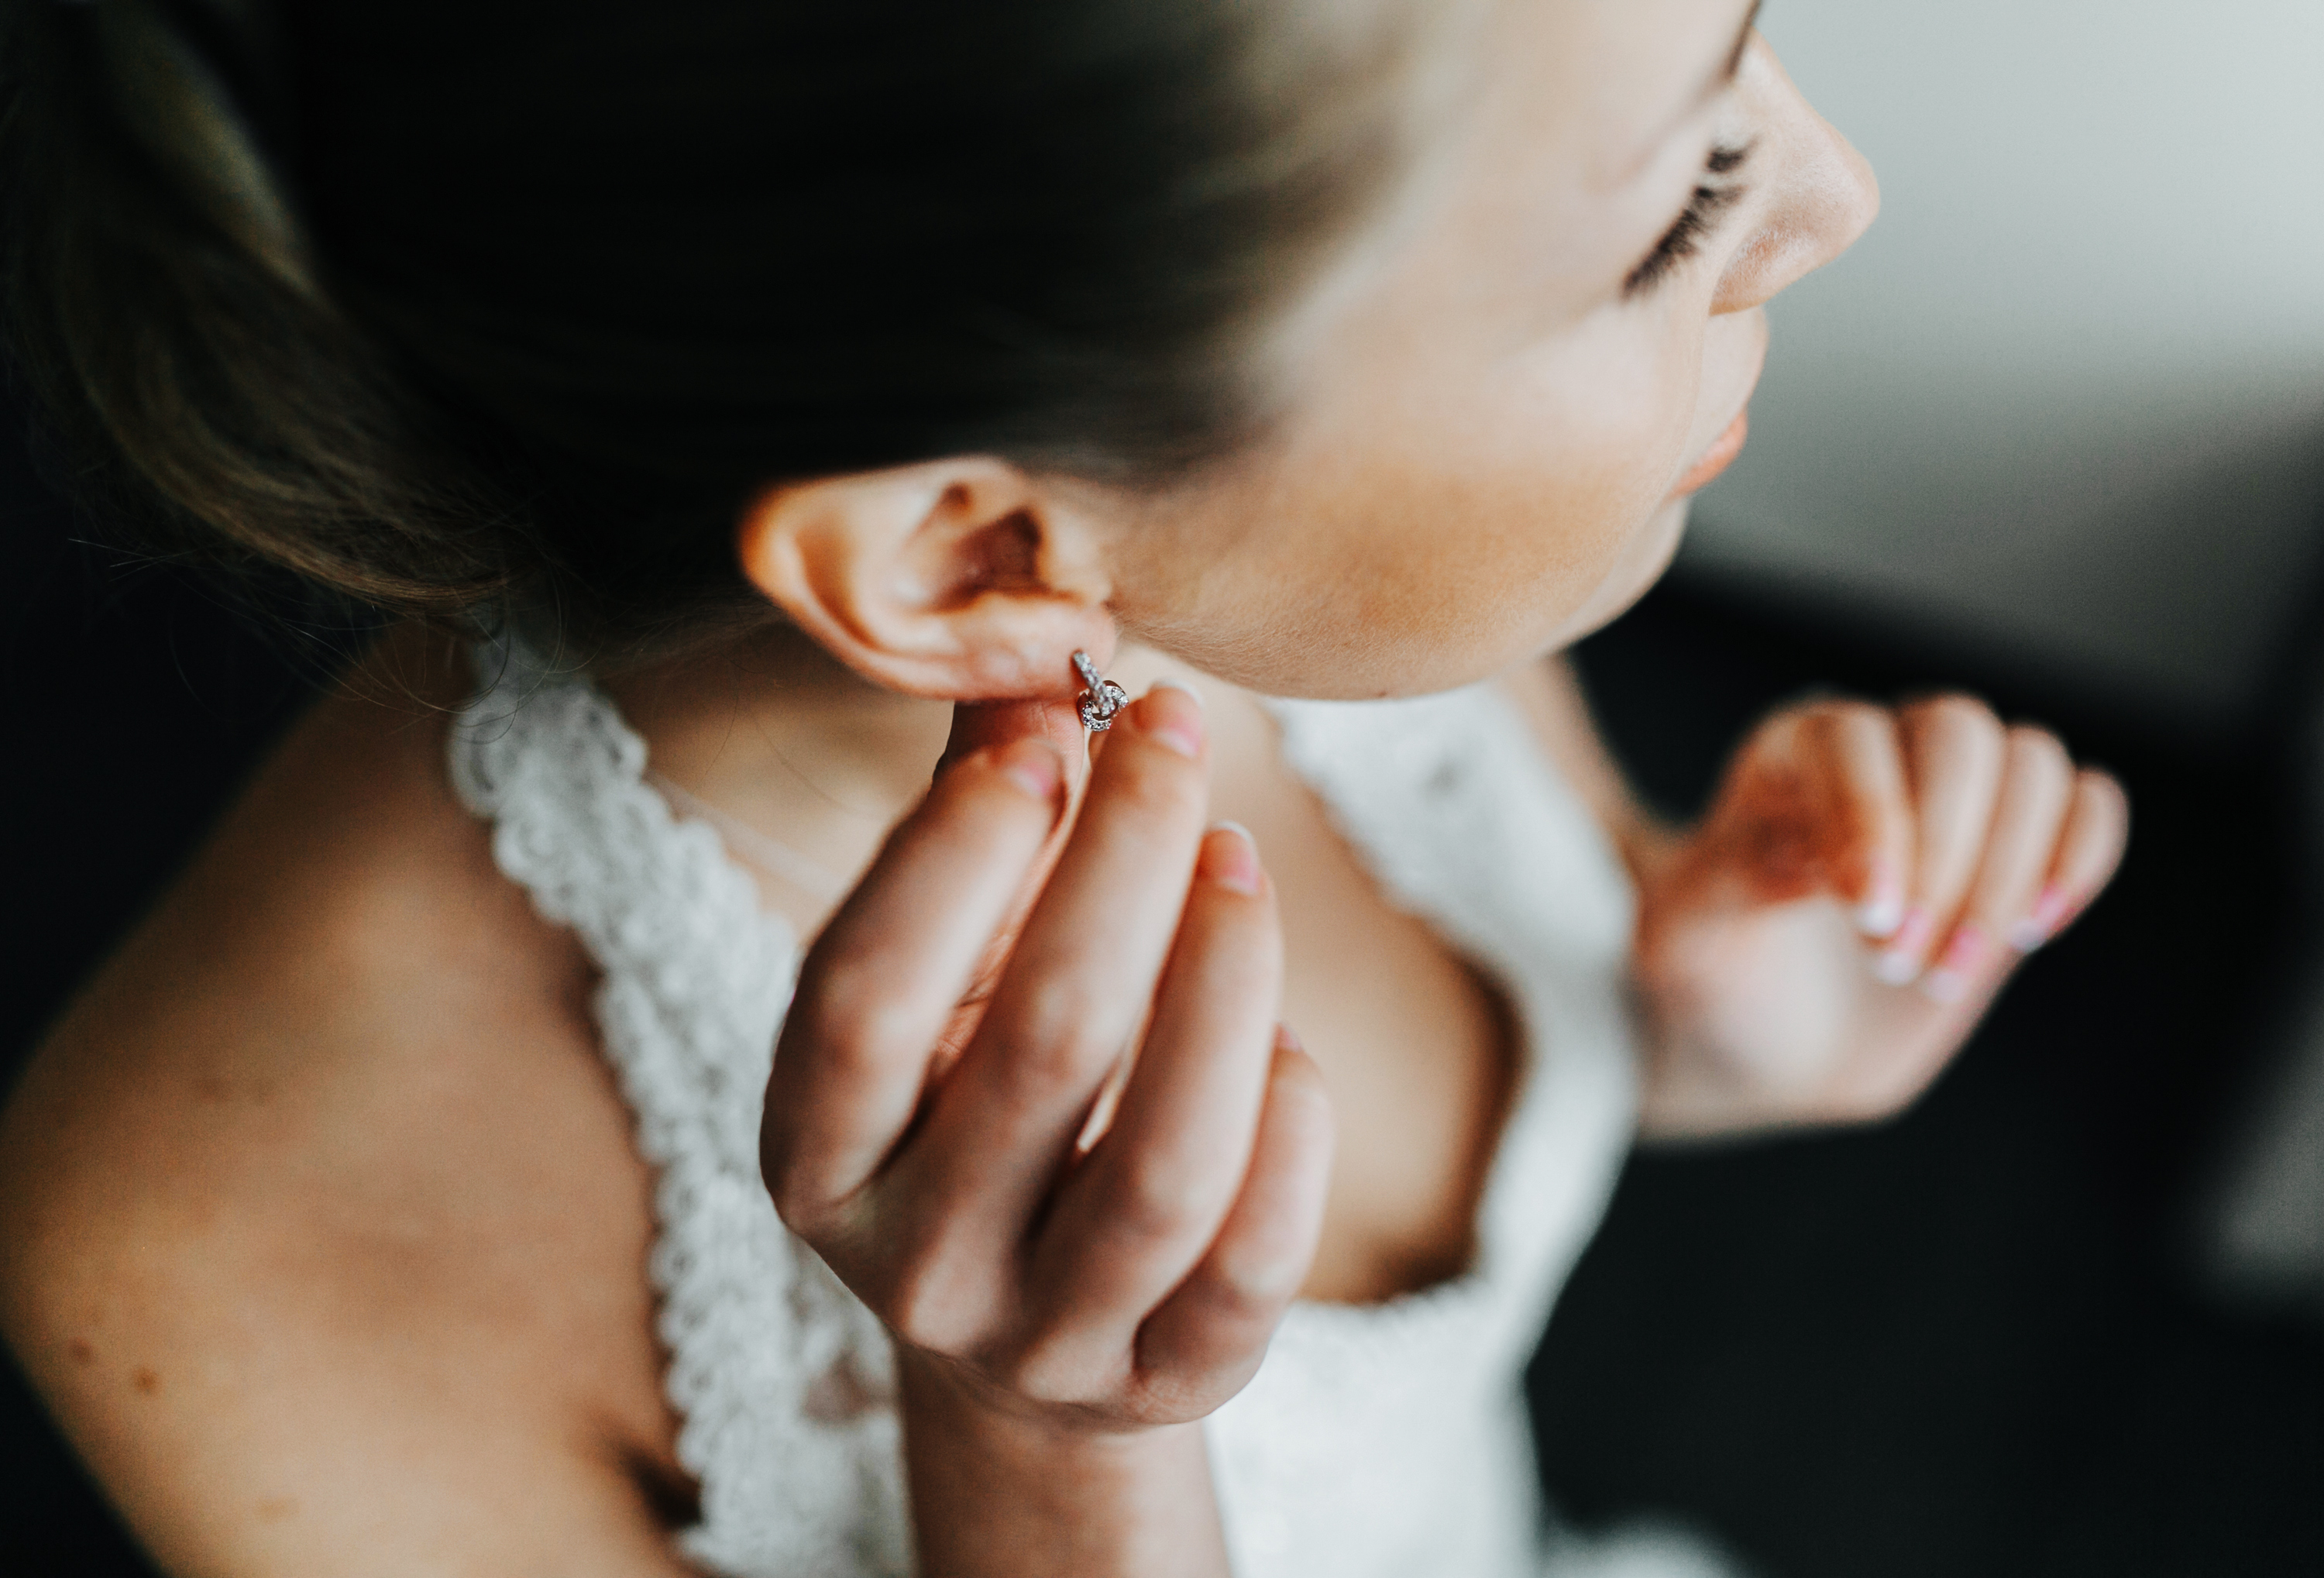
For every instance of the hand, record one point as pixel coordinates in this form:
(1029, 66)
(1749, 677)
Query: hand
(1046, 1288)
(1818, 949)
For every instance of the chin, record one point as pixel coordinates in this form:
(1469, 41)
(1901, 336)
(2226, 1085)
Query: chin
(1641, 563)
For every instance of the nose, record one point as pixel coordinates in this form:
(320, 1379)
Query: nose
(1820, 192)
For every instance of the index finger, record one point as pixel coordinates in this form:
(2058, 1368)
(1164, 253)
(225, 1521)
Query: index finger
(880, 984)
(983, 725)
(1871, 823)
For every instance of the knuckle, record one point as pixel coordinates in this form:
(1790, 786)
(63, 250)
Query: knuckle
(1148, 1204)
(2040, 750)
(857, 1020)
(926, 1304)
(1155, 782)
(1190, 1391)
(1250, 1291)
(1054, 1370)
(803, 1196)
(1821, 726)
(1058, 1038)
(1853, 721)
(780, 1172)
(1962, 717)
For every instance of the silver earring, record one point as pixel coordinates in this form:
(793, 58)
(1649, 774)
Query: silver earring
(1100, 699)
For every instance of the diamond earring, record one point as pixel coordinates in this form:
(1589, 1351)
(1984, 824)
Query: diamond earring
(1100, 699)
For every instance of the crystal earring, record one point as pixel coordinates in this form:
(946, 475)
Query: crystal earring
(1100, 699)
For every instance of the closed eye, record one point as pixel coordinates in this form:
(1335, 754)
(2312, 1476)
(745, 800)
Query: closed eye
(1712, 197)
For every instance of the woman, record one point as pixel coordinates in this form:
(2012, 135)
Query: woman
(795, 396)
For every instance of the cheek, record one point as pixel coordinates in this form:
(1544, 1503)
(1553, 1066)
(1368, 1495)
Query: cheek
(1466, 523)
(1502, 521)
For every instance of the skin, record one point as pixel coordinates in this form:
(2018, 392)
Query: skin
(325, 1238)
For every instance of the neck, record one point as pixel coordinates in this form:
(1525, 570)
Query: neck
(781, 737)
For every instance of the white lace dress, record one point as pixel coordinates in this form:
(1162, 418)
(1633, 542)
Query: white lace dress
(1382, 1440)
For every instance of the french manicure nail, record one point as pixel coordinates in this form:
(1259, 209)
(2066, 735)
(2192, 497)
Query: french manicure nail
(1964, 957)
(1035, 767)
(2050, 911)
(1880, 915)
(1171, 682)
(1232, 862)
(1899, 963)
(1180, 730)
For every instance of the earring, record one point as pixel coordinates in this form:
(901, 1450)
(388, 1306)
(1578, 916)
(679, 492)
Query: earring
(1100, 699)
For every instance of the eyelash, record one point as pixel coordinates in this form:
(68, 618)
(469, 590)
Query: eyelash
(1694, 224)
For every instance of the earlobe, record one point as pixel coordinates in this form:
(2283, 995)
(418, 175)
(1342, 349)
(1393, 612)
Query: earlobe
(964, 579)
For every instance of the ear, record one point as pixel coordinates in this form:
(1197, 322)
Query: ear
(967, 579)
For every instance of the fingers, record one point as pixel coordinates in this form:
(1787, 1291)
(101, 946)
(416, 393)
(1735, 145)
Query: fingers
(1141, 1211)
(888, 970)
(982, 726)
(1211, 1333)
(1954, 753)
(2012, 842)
(2037, 783)
(1817, 803)
(2088, 852)
(1960, 841)
(1078, 983)
(1874, 836)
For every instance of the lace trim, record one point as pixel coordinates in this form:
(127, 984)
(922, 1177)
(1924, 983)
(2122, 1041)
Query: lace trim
(774, 1369)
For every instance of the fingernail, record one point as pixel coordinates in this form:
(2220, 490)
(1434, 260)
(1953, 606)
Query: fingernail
(1233, 862)
(1965, 958)
(1881, 914)
(1035, 767)
(1289, 1039)
(1170, 682)
(1899, 963)
(1178, 727)
(2049, 912)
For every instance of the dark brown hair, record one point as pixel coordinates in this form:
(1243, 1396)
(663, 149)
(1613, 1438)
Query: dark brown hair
(454, 303)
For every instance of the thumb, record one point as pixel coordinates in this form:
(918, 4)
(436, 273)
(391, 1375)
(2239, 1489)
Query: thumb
(977, 725)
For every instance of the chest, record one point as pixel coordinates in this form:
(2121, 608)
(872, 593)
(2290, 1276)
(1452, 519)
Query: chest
(1420, 1050)
(1453, 811)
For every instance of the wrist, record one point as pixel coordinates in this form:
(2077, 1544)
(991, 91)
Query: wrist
(1000, 1485)
(943, 1397)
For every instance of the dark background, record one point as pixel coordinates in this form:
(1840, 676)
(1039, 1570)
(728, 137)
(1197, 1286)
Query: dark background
(1965, 1344)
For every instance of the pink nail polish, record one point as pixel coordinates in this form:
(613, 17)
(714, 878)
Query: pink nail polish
(1233, 862)
(1965, 958)
(1035, 767)
(1883, 911)
(2050, 911)
(1178, 726)
(1899, 963)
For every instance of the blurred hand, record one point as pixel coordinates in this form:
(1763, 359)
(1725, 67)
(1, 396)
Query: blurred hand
(926, 1123)
(1821, 945)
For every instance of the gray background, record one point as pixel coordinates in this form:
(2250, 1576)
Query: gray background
(2068, 395)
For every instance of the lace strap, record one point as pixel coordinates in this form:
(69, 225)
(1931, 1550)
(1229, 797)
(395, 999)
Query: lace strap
(696, 979)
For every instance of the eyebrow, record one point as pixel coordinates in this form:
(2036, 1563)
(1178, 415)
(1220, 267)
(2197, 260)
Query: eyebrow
(1724, 77)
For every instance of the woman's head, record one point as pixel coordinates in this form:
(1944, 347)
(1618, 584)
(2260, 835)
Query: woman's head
(1265, 329)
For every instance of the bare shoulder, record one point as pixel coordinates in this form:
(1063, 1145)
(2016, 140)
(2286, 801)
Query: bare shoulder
(324, 1236)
